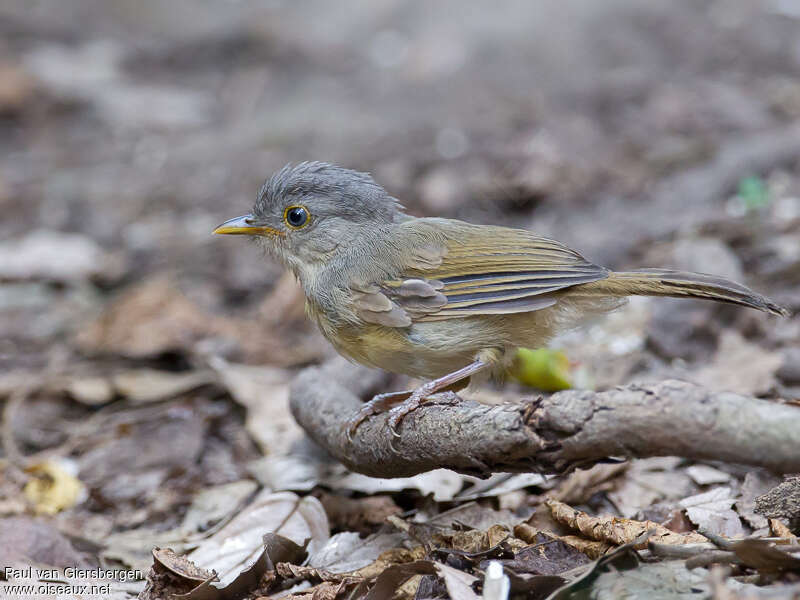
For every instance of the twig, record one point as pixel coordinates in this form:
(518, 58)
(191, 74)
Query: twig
(678, 550)
(713, 557)
(548, 435)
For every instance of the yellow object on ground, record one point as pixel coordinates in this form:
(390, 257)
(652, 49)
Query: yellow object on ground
(544, 369)
(52, 488)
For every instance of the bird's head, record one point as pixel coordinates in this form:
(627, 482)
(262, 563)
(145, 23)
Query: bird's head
(305, 212)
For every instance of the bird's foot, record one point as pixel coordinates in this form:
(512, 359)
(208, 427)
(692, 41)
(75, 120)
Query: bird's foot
(399, 412)
(380, 403)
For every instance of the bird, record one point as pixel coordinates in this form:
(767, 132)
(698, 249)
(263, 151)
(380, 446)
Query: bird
(437, 299)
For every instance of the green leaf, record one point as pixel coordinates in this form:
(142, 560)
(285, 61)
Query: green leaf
(753, 192)
(544, 369)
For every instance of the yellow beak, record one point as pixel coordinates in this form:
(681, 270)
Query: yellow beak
(244, 226)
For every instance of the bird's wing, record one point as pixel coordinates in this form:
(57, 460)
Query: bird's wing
(482, 271)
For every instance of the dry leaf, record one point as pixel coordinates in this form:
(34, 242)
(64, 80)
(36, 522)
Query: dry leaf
(547, 556)
(212, 505)
(648, 481)
(592, 548)
(618, 560)
(755, 484)
(363, 515)
(239, 542)
(395, 576)
(442, 483)
(149, 385)
(705, 475)
(54, 487)
(29, 540)
(740, 366)
(178, 578)
(181, 566)
(764, 556)
(346, 552)
(498, 484)
(92, 391)
(712, 512)
(149, 319)
(581, 484)
(264, 392)
(458, 583)
(54, 255)
(617, 530)
(778, 529)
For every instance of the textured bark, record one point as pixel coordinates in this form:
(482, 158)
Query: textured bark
(549, 434)
(782, 502)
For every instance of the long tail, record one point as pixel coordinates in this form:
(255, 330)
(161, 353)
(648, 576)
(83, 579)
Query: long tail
(662, 282)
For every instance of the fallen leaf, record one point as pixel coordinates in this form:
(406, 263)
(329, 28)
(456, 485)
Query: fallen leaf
(149, 385)
(755, 484)
(621, 559)
(92, 391)
(150, 319)
(617, 530)
(363, 515)
(133, 548)
(347, 551)
(55, 256)
(239, 542)
(582, 484)
(442, 483)
(764, 556)
(474, 516)
(264, 392)
(475, 541)
(712, 511)
(213, 504)
(181, 566)
(396, 575)
(665, 580)
(648, 481)
(179, 578)
(740, 366)
(705, 475)
(290, 472)
(285, 302)
(459, 584)
(594, 549)
(53, 487)
(502, 483)
(778, 529)
(29, 541)
(16, 88)
(547, 556)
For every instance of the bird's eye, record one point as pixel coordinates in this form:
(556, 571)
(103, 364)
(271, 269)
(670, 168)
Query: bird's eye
(296, 217)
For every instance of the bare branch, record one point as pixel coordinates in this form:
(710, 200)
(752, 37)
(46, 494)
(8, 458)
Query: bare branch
(545, 434)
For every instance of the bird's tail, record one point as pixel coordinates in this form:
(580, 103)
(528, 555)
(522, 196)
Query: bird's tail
(663, 282)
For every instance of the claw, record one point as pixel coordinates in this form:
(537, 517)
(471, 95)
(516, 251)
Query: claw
(377, 405)
(398, 413)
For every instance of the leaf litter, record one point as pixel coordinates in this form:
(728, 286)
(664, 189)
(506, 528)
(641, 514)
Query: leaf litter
(156, 433)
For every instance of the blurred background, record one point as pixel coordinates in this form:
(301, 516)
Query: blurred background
(639, 133)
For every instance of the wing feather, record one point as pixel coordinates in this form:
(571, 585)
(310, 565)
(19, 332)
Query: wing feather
(491, 270)
(472, 270)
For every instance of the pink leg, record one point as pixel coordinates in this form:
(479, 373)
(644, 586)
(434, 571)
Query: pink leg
(378, 404)
(398, 413)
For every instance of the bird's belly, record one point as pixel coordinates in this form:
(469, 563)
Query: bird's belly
(424, 350)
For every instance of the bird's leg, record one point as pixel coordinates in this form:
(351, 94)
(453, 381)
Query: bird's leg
(378, 404)
(418, 396)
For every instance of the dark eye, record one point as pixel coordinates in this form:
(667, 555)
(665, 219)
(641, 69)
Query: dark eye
(296, 217)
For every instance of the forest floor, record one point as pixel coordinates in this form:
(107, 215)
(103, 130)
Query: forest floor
(145, 364)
